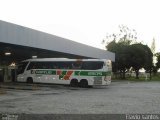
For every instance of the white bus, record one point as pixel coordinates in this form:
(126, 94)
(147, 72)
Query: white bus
(76, 72)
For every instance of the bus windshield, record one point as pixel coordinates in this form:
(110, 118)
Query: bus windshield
(21, 67)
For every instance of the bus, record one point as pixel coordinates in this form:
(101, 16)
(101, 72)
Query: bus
(74, 72)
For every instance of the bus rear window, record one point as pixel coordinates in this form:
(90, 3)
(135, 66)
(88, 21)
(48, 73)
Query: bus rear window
(92, 65)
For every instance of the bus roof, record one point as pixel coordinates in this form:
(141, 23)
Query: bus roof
(62, 59)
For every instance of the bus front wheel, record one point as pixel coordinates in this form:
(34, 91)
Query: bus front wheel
(29, 80)
(83, 83)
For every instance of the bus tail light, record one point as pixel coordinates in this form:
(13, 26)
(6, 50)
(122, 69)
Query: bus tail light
(107, 78)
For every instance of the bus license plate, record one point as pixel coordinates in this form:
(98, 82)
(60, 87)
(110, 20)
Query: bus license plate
(98, 80)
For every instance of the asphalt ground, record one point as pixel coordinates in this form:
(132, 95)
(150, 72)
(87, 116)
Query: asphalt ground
(117, 98)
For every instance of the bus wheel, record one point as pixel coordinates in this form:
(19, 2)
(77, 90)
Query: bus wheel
(29, 80)
(83, 83)
(74, 83)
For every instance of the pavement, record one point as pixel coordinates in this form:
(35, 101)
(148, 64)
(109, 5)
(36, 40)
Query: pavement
(118, 98)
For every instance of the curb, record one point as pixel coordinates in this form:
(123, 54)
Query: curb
(19, 87)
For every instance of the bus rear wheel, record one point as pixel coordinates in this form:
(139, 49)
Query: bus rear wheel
(83, 83)
(29, 80)
(74, 83)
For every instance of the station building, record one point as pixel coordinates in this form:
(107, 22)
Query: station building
(18, 43)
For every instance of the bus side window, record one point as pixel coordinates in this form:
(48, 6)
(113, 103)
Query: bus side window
(54, 65)
(67, 65)
(76, 65)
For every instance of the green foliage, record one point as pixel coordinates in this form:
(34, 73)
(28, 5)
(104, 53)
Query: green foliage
(121, 56)
(148, 58)
(140, 57)
(158, 60)
(125, 36)
(136, 56)
(120, 45)
(128, 53)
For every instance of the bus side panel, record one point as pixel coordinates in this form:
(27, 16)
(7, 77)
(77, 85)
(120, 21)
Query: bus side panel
(52, 79)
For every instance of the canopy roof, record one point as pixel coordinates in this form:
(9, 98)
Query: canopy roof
(23, 43)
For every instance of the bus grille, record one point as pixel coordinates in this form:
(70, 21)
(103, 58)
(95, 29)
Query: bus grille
(97, 80)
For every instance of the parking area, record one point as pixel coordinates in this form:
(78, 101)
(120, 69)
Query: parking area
(119, 97)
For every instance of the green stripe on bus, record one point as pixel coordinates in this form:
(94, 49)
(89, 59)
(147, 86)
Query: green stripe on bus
(76, 73)
(91, 73)
(64, 72)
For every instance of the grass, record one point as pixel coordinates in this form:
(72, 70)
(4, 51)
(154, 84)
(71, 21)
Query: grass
(155, 77)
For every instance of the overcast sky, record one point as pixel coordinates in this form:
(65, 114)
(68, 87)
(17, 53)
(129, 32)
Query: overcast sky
(86, 21)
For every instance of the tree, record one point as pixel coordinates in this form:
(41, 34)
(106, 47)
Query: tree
(121, 63)
(153, 47)
(148, 66)
(125, 35)
(140, 57)
(158, 60)
(119, 44)
(136, 58)
(129, 53)
(113, 47)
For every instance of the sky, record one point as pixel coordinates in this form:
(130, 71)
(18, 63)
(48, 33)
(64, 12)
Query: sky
(86, 21)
